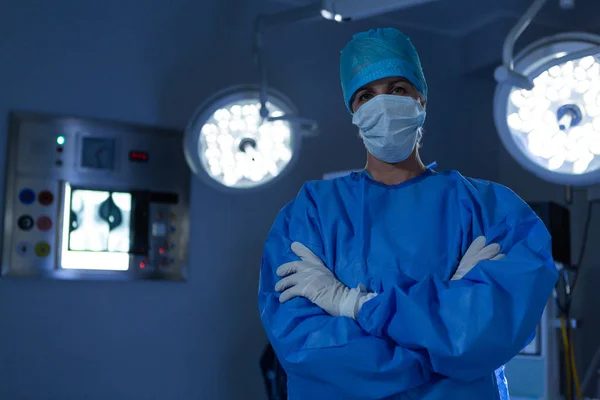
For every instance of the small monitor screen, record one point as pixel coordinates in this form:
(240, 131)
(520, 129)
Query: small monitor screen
(98, 153)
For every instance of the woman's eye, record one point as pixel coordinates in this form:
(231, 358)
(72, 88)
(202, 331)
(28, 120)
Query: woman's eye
(398, 90)
(365, 97)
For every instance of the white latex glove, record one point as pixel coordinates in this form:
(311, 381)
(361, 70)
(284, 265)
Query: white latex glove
(477, 252)
(310, 278)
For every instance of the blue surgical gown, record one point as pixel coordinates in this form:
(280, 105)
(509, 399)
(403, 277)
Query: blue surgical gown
(423, 336)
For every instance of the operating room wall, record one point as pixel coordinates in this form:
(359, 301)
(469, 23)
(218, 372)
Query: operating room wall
(478, 86)
(154, 63)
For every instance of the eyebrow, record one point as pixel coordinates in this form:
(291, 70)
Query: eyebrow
(367, 86)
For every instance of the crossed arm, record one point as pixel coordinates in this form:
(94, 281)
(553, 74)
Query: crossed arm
(334, 352)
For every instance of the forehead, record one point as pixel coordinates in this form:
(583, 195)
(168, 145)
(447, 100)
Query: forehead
(384, 82)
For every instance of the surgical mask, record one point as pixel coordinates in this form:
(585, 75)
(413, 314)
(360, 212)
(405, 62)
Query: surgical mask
(389, 126)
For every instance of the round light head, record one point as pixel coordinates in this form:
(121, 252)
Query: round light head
(553, 130)
(231, 144)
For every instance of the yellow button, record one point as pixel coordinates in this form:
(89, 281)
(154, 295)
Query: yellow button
(42, 249)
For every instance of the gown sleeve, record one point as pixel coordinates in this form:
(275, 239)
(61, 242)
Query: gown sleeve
(316, 347)
(472, 326)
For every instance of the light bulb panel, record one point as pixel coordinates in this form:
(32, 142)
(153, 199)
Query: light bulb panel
(227, 142)
(553, 130)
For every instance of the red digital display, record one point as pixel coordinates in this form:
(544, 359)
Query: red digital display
(139, 156)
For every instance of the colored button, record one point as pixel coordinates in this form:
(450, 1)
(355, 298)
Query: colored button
(25, 222)
(44, 223)
(172, 229)
(42, 249)
(172, 215)
(45, 198)
(26, 196)
(23, 248)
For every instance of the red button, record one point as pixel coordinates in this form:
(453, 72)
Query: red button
(44, 224)
(45, 198)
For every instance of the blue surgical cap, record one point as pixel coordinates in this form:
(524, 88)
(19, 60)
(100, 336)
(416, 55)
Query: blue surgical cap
(377, 54)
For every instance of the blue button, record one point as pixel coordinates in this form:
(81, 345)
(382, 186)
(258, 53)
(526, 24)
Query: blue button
(26, 196)
(23, 248)
(172, 229)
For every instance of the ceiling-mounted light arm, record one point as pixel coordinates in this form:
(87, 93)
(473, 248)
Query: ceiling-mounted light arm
(516, 32)
(305, 13)
(309, 127)
(506, 73)
(262, 70)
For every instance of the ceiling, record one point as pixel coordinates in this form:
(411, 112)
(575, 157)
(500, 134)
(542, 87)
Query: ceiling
(460, 18)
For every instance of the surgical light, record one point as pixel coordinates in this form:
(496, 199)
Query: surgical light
(547, 105)
(232, 144)
(247, 136)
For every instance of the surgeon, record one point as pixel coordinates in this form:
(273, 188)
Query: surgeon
(400, 282)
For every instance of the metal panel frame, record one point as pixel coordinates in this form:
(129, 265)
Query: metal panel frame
(172, 176)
